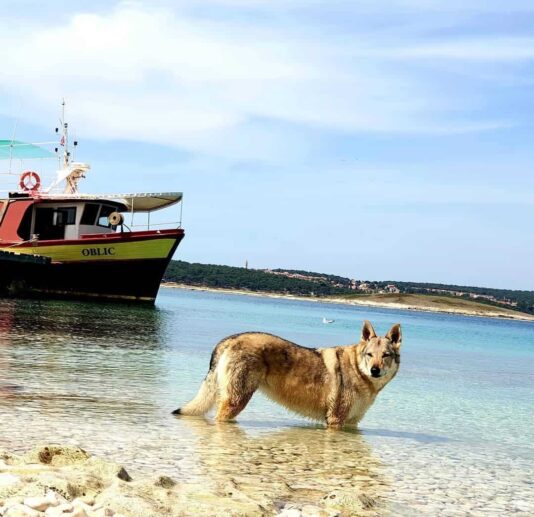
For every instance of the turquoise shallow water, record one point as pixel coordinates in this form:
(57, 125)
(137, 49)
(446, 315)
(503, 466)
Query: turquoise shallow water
(453, 434)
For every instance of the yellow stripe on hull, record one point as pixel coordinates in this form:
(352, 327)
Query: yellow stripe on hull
(140, 249)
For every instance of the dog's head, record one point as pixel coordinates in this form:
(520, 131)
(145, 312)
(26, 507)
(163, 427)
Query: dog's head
(379, 357)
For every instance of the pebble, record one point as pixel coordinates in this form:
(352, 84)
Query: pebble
(103, 512)
(290, 512)
(41, 503)
(7, 479)
(56, 511)
(77, 512)
(80, 504)
(20, 510)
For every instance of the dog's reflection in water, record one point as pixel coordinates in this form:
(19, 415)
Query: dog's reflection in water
(295, 464)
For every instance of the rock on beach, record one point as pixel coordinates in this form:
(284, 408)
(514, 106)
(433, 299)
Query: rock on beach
(55, 481)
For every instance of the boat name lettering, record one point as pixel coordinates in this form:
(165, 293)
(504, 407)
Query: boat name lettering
(97, 252)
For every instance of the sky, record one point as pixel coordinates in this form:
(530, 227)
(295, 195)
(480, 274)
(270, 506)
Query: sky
(384, 140)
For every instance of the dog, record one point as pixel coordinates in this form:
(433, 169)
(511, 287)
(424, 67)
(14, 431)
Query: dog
(335, 385)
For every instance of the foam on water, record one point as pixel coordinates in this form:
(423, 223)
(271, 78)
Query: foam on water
(452, 434)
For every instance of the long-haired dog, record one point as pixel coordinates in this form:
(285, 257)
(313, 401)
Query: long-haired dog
(336, 385)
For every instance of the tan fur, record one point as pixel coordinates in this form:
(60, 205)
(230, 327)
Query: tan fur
(335, 384)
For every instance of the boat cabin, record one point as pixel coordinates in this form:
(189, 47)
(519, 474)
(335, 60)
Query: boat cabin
(24, 218)
(58, 221)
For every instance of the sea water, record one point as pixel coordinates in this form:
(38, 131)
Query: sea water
(453, 434)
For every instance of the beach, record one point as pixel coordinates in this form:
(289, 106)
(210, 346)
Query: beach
(96, 385)
(477, 309)
(66, 480)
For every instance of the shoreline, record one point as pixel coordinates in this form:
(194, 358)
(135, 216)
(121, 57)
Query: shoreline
(55, 481)
(495, 314)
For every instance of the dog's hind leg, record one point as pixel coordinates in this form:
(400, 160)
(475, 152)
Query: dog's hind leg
(237, 385)
(230, 407)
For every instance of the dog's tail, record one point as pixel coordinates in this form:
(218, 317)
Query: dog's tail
(207, 394)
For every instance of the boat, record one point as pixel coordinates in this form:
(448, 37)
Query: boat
(326, 320)
(56, 242)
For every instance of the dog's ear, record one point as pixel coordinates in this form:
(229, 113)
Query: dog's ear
(395, 335)
(367, 331)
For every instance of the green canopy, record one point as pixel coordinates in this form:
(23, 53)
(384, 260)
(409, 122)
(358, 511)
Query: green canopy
(21, 150)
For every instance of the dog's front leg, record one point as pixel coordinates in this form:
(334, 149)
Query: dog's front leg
(335, 422)
(336, 416)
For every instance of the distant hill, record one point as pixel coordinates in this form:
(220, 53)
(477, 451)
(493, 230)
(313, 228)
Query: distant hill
(306, 283)
(433, 303)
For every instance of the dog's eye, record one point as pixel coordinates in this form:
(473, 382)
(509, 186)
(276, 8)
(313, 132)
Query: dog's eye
(369, 355)
(386, 355)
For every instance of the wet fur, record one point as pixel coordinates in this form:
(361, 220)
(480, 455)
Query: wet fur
(329, 384)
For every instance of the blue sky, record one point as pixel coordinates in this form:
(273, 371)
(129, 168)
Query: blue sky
(376, 140)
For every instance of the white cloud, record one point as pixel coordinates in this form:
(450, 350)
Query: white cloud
(480, 49)
(372, 5)
(157, 75)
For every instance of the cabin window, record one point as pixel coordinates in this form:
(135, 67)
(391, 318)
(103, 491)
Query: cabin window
(89, 214)
(44, 226)
(103, 216)
(65, 216)
(50, 222)
(26, 225)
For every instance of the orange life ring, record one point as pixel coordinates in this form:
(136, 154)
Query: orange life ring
(30, 181)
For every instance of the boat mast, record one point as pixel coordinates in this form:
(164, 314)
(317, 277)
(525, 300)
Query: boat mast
(73, 171)
(65, 137)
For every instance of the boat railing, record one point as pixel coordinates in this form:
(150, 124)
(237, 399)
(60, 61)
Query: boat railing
(159, 226)
(139, 221)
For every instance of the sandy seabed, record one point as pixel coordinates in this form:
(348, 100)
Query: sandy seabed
(66, 481)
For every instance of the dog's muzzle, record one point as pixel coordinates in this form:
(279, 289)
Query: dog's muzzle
(375, 371)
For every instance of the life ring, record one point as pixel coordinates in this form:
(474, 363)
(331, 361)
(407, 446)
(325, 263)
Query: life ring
(30, 181)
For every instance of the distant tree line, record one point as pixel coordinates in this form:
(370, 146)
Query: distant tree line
(209, 275)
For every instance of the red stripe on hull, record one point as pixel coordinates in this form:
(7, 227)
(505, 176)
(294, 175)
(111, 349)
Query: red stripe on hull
(107, 238)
